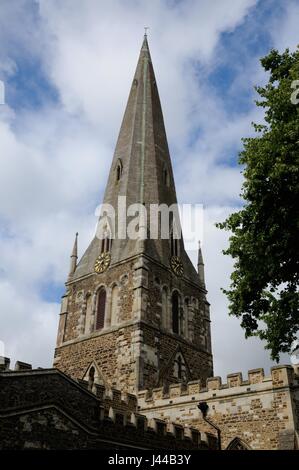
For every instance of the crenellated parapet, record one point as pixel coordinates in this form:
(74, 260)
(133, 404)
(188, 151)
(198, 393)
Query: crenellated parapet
(265, 404)
(261, 411)
(100, 413)
(19, 365)
(281, 376)
(112, 397)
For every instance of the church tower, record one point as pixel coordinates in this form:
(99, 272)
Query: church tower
(135, 313)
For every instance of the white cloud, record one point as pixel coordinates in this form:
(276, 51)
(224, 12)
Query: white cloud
(29, 327)
(285, 29)
(55, 160)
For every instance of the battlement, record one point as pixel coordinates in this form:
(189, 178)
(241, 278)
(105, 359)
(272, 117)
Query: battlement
(281, 376)
(122, 408)
(255, 401)
(112, 396)
(107, 411)
(19, 365)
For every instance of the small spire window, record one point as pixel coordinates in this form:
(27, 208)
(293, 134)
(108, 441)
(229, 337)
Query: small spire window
(106, 244)
(165, 176)
(114, 309)
(106, 240)
(174, 245)
(175, 236)
(119, 170)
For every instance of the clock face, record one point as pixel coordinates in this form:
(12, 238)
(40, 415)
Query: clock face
(102, 262)
(177, 265)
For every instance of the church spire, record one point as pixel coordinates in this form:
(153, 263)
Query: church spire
(143, 154)
(141, 172)
(74, 257)
(142, 143)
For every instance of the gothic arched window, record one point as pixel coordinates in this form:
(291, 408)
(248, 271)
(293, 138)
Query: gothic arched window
(180, 369)
(175, 313)
(114, 305)
(88, 301)
(237, 444)
(185, 317)
(101, 307)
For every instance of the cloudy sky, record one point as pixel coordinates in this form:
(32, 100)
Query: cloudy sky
(67, 67)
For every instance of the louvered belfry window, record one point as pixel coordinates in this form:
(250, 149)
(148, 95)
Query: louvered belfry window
(101, 309)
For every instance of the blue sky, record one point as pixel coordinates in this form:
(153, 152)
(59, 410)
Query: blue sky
(67, 68)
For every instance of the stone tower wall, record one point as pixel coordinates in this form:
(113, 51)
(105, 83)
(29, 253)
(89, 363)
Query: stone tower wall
(140, 350)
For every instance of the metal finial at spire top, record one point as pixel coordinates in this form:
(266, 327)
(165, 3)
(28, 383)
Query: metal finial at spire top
(145, 30)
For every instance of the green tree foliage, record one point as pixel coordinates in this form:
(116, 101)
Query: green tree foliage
(264, 238)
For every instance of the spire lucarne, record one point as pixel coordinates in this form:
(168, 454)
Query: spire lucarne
(135, 307)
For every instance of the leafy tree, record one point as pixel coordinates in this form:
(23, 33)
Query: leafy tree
(264, 238)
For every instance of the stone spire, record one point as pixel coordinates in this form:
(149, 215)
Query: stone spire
(141, 171)
(74, 257)
(200, 265)
(142, 147)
